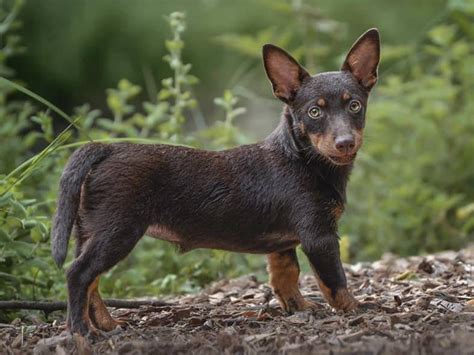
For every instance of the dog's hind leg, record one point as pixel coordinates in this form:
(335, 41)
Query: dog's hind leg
(98, 311)
(80, 238)
(101, 252)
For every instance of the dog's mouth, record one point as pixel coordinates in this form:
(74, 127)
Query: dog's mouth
(342, 159)
(330, 153)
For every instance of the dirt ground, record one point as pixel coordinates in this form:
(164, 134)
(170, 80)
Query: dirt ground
(418, 305)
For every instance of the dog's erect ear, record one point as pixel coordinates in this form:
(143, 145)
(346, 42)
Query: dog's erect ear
(363, 58)
(283, 71)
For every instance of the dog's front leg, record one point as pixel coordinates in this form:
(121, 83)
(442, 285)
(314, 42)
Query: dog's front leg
(284, 270)
(323, 254)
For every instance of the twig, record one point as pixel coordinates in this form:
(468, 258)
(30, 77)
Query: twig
(50, 306)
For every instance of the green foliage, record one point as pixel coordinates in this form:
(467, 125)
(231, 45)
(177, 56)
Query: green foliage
(118, 100)
(25, 267)
(164, 117)
(14, 115)
(175, 88)
(156, 268)
(225, 133)
(303, 33)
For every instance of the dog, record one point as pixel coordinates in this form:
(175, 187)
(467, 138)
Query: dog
(265, 198)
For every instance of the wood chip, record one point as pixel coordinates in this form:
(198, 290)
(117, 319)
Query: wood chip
(411, 312)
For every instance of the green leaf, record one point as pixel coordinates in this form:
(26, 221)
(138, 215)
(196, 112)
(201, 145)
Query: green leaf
(442, 35)
(4, 237)
(24, 249)
(18, 209)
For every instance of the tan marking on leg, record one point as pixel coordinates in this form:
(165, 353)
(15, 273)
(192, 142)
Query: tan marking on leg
(85, 312)
(343, 299)
(98, 311)
(284, 273)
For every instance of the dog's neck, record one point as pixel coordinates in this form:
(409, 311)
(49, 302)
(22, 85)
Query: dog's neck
(288, 139)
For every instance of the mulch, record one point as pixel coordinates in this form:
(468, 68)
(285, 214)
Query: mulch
(415, 305)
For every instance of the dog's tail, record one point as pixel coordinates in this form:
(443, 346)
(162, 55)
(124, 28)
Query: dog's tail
(74, 174)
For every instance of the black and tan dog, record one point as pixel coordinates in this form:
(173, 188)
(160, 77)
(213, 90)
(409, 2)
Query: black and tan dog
(264, 198)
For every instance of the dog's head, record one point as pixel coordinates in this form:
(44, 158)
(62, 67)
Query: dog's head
(328, 108)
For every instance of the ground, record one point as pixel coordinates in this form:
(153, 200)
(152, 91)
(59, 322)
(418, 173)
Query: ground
(417, 305)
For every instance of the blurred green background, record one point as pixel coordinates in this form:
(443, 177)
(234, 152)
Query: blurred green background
(77, 49)
(128, 70)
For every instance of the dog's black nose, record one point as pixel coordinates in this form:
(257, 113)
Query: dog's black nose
(345, 144)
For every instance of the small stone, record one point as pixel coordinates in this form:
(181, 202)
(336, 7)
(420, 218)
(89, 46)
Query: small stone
(426, 266)
(356, 321)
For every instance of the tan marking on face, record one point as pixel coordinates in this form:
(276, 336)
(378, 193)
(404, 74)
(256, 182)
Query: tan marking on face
(346, 96)
(322, 142)
(302, 128)
(359, 138)
(315, 139)
(321, 102)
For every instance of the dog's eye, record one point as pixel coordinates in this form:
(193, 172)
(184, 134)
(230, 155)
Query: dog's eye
(355, 106)
(314, 112)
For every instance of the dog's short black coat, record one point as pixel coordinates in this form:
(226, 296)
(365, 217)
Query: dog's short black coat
(266, 197)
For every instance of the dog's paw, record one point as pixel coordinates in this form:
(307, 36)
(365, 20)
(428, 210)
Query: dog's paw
(344, 301)
(307, 304)
(298, 303)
